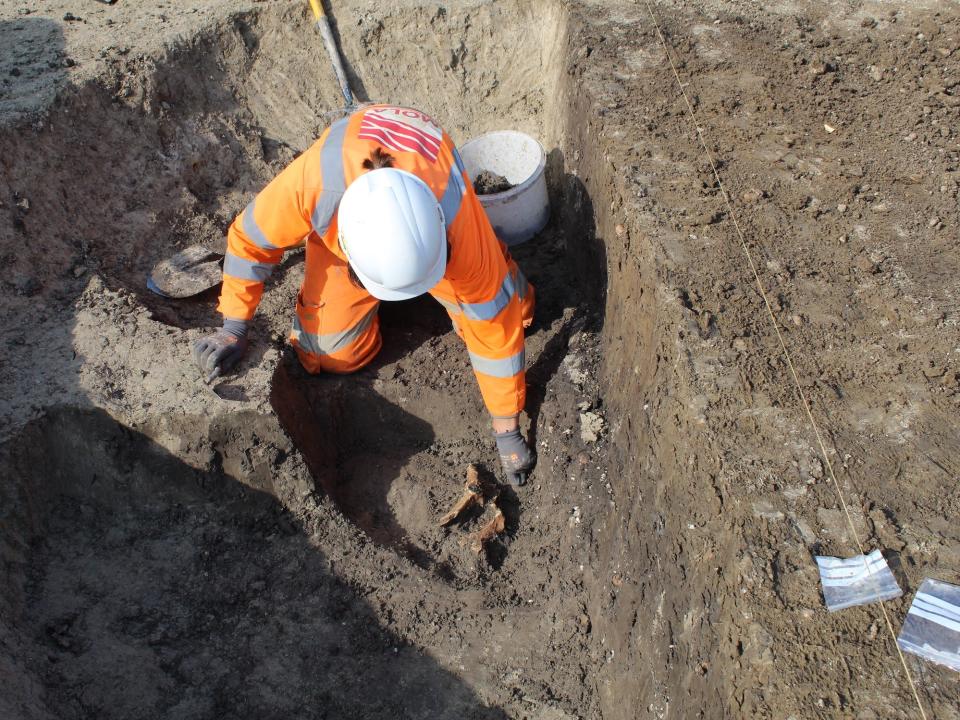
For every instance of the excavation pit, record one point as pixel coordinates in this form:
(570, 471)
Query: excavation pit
(272, 548)
(170, 549)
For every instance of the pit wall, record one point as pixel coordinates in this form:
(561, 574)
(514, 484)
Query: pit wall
(657, 596)
(701, 604)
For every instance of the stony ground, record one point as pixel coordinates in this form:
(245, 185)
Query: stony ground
(271, 546)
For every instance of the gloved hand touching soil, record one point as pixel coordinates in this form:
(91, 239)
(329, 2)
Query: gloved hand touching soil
(219, 353)
(515, 456)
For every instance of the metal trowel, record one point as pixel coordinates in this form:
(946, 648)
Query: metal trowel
(190, 272)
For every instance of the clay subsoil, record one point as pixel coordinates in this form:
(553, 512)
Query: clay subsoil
(270, 546)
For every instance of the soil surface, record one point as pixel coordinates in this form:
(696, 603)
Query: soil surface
(270, 546)
(487, 183)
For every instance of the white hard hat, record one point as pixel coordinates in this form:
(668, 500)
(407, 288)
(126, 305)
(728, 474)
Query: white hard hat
(391, 229)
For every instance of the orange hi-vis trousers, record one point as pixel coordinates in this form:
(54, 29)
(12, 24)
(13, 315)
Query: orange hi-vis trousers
(336, 326)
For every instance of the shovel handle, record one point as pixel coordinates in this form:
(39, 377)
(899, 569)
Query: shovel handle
(330, 44)
(324, 27)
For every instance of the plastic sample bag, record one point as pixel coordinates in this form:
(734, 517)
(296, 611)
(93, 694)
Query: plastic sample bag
(932, 627)
(858, 580)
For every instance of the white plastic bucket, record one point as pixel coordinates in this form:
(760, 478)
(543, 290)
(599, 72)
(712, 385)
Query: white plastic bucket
(522, 211)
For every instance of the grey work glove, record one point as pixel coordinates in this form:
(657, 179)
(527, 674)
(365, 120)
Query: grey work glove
(515, 456)
(219, 353)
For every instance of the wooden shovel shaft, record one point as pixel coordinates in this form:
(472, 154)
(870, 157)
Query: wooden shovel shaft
(323, 25)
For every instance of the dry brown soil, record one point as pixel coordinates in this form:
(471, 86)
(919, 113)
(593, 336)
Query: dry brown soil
(269, 548)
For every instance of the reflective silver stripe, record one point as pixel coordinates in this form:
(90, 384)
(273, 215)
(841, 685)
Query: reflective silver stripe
(323, 211)
(452, 196)
(522, 285)
(253, 230)
(459, 161)
(246, 269)
(331, 177)
(505, 368)
(491, 308)
(331, 342)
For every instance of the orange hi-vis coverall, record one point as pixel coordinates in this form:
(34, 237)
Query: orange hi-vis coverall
(336, 327)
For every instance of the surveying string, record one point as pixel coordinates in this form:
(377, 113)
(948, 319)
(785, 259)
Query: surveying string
(783, 346)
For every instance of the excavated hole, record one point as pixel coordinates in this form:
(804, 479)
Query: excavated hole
(370, 439)
(121, 554)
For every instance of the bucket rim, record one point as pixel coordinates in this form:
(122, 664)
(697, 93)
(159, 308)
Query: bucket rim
(525, 184)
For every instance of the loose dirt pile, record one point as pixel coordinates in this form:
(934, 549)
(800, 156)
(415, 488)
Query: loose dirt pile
(271, 547)
(487, 183)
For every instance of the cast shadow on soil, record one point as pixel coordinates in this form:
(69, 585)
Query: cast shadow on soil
(148, 588)
(357, 87)
(355, 443)
(576, 280)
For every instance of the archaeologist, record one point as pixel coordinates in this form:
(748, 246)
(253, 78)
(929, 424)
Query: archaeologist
(387, 212)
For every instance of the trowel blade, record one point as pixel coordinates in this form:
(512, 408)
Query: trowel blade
(190, 272)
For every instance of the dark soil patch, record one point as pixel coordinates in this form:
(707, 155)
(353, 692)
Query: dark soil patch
(488, 183)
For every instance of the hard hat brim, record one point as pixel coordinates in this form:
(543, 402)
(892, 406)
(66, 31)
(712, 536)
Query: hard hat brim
(411, 291)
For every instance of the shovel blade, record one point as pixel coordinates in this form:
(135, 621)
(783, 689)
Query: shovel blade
(190, 272)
